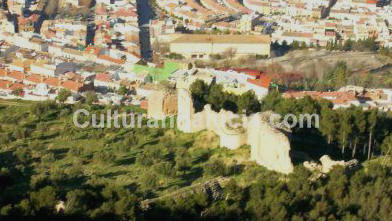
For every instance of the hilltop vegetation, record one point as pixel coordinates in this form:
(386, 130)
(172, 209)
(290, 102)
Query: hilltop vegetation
(345, 133)
(106, 173)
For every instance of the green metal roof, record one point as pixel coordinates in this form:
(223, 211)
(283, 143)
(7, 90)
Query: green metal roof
(158, 74)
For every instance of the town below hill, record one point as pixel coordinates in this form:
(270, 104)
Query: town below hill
(190, 64)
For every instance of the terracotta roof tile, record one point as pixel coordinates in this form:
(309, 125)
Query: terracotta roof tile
(110, 59)
(4, 84)
(3, 72)
(17, 86)
(35, 78)
(52, 81)
(16, 75)
(262, 81)
(72, 85)
(103, 77)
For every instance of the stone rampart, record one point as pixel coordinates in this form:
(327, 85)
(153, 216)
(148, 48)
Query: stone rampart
(269, 146)
(161, 105)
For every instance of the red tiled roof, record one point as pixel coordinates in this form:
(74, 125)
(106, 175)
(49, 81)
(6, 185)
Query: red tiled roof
(103, 77)
(16, 75)
(144, 104)
(334, 96)
(262, 81)
(248, 71)
(3, 72)
(73, 76)
(101, 10)
(122, 12)
(330, 24)
(17, 86)
(35, 78)
(33, 18)
(371, 1)
(92, 50)
(110, 59)
(4, 84)
(52, 81)
(72, 85)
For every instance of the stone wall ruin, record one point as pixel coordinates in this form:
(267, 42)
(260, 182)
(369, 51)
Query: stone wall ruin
(161, 104)
(270, 147)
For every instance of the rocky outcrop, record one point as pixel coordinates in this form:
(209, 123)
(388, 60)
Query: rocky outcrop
(327, 164)
(313, 166)
(213, 189)
(270, 147)
(60, 206)
(161, 105)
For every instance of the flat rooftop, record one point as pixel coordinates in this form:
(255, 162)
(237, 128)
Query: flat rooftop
(221, 39)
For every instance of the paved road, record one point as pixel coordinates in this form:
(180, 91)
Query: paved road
(145, 15)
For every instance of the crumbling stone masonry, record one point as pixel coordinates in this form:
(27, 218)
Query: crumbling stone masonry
(161, 105)
(270, 147)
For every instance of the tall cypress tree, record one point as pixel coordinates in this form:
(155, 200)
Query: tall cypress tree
(328, 124)
(372, 121)
(345, 129)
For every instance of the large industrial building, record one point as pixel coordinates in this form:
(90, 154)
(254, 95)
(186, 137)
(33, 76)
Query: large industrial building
(202, 46)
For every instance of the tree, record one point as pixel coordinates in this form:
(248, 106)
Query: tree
(190, 66)
(123, 90)
(345, 129)
(63, 95)
(149, 180)
(328, 124)
(51, 8)
(91, 97)
(215, 168)
(199, 90)
(386, 146)
(17, 92)
(249, 102)
(77, 201)
(230, 53)
(338, 76)
(45, 198)
(270, 101)
(38, 109)
(348, 45)
(126, 205)
(303, 45)
(164, 168)
(329, 46)
(359, 128)
(148, 79)
(372, 122)
(295, 45)
(216, 96)
(5, 138)
(183, 161)
(285, 47)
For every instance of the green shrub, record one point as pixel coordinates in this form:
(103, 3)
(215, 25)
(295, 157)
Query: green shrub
(164, 168)
(216, 168)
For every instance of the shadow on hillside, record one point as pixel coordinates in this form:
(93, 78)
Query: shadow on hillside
(194, 174)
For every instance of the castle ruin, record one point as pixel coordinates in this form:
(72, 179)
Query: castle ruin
(270, 147)
(162, 104)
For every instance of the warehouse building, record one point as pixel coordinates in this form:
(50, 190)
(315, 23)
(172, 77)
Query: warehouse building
(202, 46)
